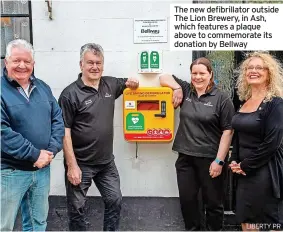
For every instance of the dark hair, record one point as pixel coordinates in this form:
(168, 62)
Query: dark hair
(206, 62)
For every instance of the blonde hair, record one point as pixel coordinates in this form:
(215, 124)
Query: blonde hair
(275, 77)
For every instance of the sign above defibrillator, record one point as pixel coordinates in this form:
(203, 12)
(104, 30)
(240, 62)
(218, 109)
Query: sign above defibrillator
(150, 31)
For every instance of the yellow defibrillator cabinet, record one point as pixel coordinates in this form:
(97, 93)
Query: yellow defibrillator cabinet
(148, 114)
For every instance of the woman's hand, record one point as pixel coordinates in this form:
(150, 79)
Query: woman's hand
(236, 168)
(177, 97)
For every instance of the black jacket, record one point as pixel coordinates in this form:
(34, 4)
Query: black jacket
(270, 151)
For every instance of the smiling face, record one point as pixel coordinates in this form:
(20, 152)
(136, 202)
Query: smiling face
(19, 64)
(256, 72)
(200, 77)
(91, 66)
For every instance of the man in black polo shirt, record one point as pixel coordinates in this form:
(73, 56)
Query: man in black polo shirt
(88, 111)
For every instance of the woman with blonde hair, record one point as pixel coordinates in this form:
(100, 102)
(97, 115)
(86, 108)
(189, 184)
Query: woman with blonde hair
(257, 155)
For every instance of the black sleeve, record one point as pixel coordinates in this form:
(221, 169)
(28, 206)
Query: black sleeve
(120, 86)
(68, 110)
(227, 112)
(235, 150)
(184, 85)
(273, 135)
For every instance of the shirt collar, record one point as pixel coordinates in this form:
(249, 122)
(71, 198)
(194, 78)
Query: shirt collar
(81, 84)
(212, 91)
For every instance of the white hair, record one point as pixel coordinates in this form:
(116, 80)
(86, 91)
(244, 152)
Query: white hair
(19, 43)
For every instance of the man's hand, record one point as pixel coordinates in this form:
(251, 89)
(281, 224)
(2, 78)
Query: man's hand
(177, 97)
(45, 157)
(74, 174)
(236, 168)
(132, 83)
(215, 169)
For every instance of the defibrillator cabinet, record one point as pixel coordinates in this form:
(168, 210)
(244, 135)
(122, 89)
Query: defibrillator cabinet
(148, 114)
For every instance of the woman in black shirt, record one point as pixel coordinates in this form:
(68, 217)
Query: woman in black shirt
(258, 149)
(202, 141)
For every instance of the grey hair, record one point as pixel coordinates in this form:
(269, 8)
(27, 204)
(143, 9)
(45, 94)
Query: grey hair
(19, 43)
(96, 49)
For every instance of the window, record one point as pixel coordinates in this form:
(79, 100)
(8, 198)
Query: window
(16, 23)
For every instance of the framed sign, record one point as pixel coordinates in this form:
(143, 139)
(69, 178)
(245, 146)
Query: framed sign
(150, 31)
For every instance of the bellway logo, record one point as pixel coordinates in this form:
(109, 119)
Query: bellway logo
(150, 31)
(107, 95)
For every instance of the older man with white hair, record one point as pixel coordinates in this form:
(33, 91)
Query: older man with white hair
(32, 129)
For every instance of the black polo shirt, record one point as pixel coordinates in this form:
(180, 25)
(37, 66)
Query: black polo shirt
(89, 113)
(202, 121)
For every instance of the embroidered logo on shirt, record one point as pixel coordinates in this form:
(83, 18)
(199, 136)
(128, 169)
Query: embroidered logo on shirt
(107, 95)
(88, 101)
(208, 104)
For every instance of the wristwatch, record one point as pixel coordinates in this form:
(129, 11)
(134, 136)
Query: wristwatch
(220, 162)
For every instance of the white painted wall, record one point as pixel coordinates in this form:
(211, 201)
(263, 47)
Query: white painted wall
(110, 24)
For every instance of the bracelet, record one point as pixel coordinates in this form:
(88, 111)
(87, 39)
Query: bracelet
(220, 162)
(177, 88)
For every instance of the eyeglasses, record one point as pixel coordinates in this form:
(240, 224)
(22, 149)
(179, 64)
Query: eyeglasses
(257, 68)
